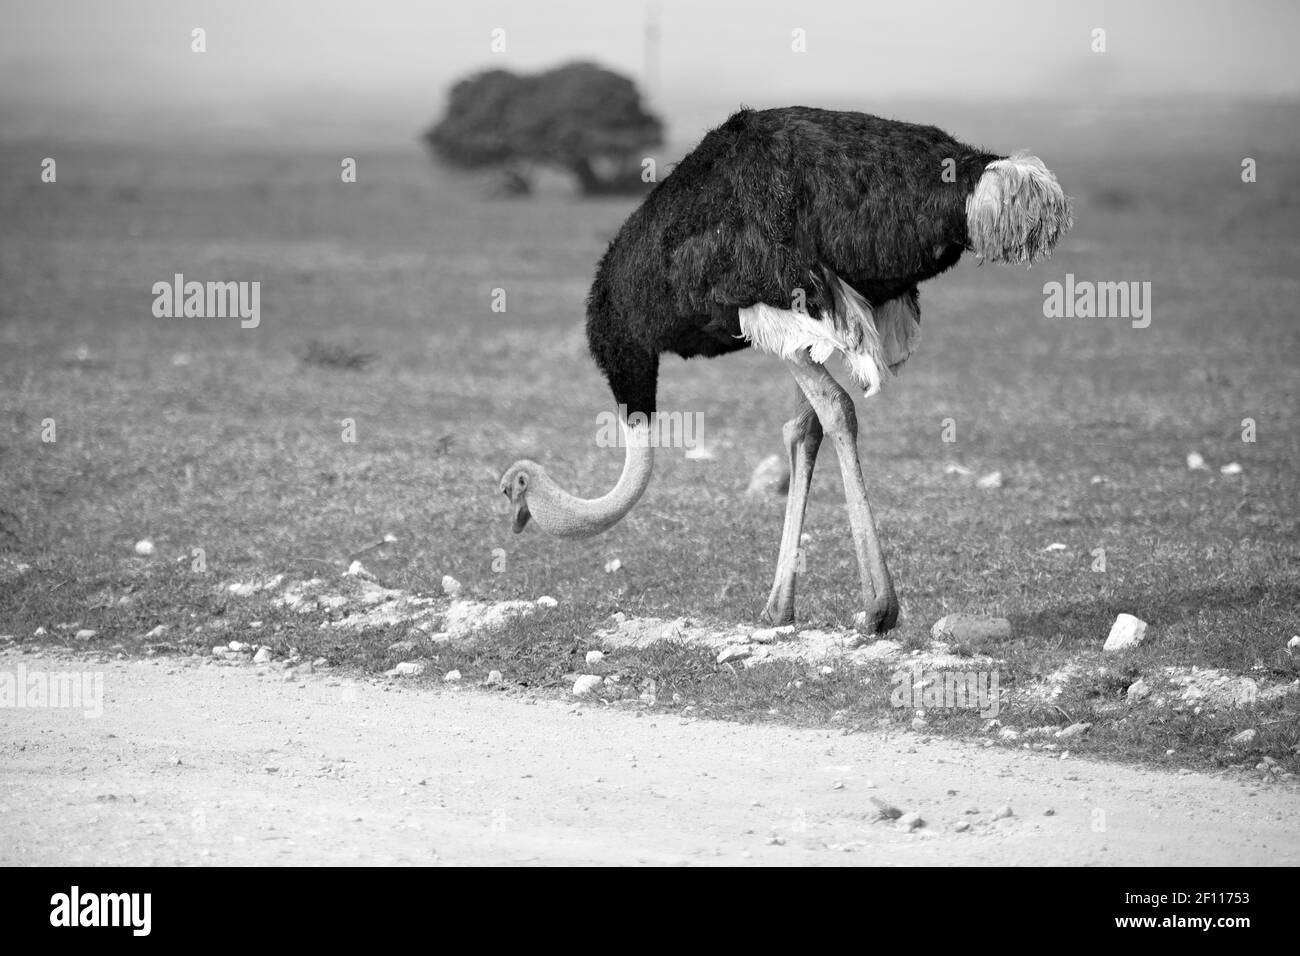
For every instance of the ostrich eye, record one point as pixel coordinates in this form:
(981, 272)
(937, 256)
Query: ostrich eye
(522, 481)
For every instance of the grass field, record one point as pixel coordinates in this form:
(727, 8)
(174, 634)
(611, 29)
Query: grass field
(196, 433)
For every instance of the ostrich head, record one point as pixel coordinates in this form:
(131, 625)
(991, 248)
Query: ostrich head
(534, 494)
(514, 485)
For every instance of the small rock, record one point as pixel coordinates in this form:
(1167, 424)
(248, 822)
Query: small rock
(144, 547)
(1056, 546)
(220, 650)
(1001, 813)
(41, 632)
(1127, 631)
(880, 649)
(1137, 691)
(450, 586)
(156, 633)
(587, 684)
(1006, 733)
(910, 821)
(237, 646)
(1292, 646)
(495, 677)
(595, 657)
(1049, 812)
(1231, 468)
(838, 785)
(1073, 730)
(963, 628)
(770, 477)
(962, 826)
(408, 669)
(306, 667)
(776, 841)
(85, 634)
(1196, 463)
(451, 676)
(992, 480)
(358, 570)
(1245, 737)
(736, 652)
(612, 565)
(547, 601)
(956, 469)
(402, 647)
(263, 655)
(919, 723)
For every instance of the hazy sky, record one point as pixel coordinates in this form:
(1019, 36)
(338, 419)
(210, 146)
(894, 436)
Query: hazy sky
(111, 64)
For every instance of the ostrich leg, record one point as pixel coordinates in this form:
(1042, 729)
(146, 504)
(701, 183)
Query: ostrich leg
(834, 407)
(803, 436)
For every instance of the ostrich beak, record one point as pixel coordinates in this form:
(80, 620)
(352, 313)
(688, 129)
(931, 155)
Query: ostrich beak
(521, 515)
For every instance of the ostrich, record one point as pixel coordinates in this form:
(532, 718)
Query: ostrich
(803, 233)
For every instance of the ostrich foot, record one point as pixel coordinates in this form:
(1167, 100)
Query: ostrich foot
(774, 615)
(879, 618)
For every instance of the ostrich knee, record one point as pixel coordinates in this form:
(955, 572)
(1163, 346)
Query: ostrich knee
(841, 417)
(804, 427)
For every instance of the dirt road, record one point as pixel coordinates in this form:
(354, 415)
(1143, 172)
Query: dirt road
(211, 764)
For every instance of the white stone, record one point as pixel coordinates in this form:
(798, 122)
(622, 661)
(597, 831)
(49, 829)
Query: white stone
(358, 570)
(992, 480)
(595, 657)
(1245, 737)
(736, 652)
(237, 646)
(586, 685)
(1138, 690)
(1292, 646)
(85, 634)
(408, 669)
(263, 655)
(547, 601)
(1074, 730)
(156, 633)
(494, 677)
(1231, 468)
(1127, 631)
(451, 676)
(1196, 463)
(910, 821)
(450, 586)
(612, 565)
(144, 547)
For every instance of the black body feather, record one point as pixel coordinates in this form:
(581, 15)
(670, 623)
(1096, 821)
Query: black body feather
(766, 204)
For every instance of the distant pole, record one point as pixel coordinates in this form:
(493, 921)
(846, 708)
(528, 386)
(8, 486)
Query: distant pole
(650, 71)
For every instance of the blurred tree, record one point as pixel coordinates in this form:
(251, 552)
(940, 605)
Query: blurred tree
(580, 117)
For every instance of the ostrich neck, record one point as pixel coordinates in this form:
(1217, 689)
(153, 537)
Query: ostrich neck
(559, 513)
